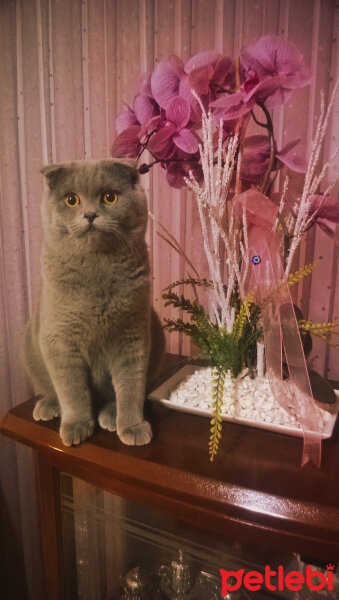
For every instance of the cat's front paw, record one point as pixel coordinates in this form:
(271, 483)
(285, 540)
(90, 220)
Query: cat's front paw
(46, 409)
(75, 433)
(136, 435)
(107, 417)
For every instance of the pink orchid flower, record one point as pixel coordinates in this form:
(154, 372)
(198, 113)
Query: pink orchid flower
(132, 131)
(173, 133)
(134, 125)
(125, 119)
(176, 172)
(256, 154)
(234, 106)
(231, 106)
(325, 212)
(272, 56)
(209, 72)
(145, 84)
(128, 142)
(165, 80)
(273, 67)
(206, 73)
(169, 80)
(147, 113)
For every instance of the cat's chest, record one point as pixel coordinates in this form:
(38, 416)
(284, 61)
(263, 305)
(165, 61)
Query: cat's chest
(101, 326)
(92, 304)
(112, 294)
(101, 305)
(100, 277)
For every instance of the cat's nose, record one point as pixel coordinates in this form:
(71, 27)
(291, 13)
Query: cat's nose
(90, 216)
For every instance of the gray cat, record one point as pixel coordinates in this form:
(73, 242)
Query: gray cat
(94, 325)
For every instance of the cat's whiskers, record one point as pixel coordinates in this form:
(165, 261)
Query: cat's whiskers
(116, 232)
(105, 228)
(78, 229)
(118, 235)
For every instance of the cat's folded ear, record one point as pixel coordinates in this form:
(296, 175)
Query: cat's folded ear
(130, 162)
(126, 167)
(53, 173)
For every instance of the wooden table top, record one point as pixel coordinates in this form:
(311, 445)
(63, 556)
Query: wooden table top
(255, 486)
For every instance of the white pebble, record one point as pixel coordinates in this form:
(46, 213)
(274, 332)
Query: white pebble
(244, 397)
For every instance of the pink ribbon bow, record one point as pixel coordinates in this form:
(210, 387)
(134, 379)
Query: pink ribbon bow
(268, 284)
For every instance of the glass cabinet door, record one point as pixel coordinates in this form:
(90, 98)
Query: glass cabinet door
(115, 549)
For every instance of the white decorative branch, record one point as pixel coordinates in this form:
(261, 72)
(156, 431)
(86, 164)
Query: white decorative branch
(212, 205)
(312, 180)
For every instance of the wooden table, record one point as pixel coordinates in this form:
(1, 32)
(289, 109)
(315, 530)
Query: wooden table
(255, 491)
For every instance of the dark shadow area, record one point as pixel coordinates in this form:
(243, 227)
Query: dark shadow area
(12, 567)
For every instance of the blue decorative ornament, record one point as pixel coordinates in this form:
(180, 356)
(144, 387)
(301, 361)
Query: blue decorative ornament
(256, 259)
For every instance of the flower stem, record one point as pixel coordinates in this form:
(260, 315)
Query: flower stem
(237, 73)
(269, 126)
(256, 120)
(144, 168)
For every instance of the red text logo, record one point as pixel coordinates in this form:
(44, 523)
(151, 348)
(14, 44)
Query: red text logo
(292, 580)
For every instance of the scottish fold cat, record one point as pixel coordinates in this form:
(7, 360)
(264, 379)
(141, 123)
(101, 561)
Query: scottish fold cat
(94, 341)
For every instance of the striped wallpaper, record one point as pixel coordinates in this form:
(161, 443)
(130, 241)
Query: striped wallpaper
(72, 66)
(69, 66)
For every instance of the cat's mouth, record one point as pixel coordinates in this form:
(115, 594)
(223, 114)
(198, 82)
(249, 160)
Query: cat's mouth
(94, 231)
(100, 230)
(97, 228)
(83, 231)
(90, 228)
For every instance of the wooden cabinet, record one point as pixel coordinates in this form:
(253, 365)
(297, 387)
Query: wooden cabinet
(254, 492)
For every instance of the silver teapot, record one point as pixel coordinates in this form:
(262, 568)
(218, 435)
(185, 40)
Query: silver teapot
(176, 580)
(135, 585)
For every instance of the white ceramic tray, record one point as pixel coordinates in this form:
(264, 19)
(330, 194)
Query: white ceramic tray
(162, 394)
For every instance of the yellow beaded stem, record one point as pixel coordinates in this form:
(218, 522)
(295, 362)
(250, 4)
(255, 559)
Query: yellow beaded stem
(218, 382)
(241, 317)
(318, 328)
(291, 280)
(301, 273)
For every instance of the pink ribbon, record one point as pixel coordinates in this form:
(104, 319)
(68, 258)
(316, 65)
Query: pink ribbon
(267, 281)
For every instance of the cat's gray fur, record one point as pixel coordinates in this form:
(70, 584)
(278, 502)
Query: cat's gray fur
(94, 325)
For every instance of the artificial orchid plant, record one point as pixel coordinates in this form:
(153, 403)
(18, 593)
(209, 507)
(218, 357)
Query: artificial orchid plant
(192, 119)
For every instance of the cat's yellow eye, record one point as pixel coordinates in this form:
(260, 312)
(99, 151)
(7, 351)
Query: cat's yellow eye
(110, 197)
(72, 200)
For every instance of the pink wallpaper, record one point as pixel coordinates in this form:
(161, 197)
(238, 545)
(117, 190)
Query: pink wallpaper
(69, 69)
(66, 70)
